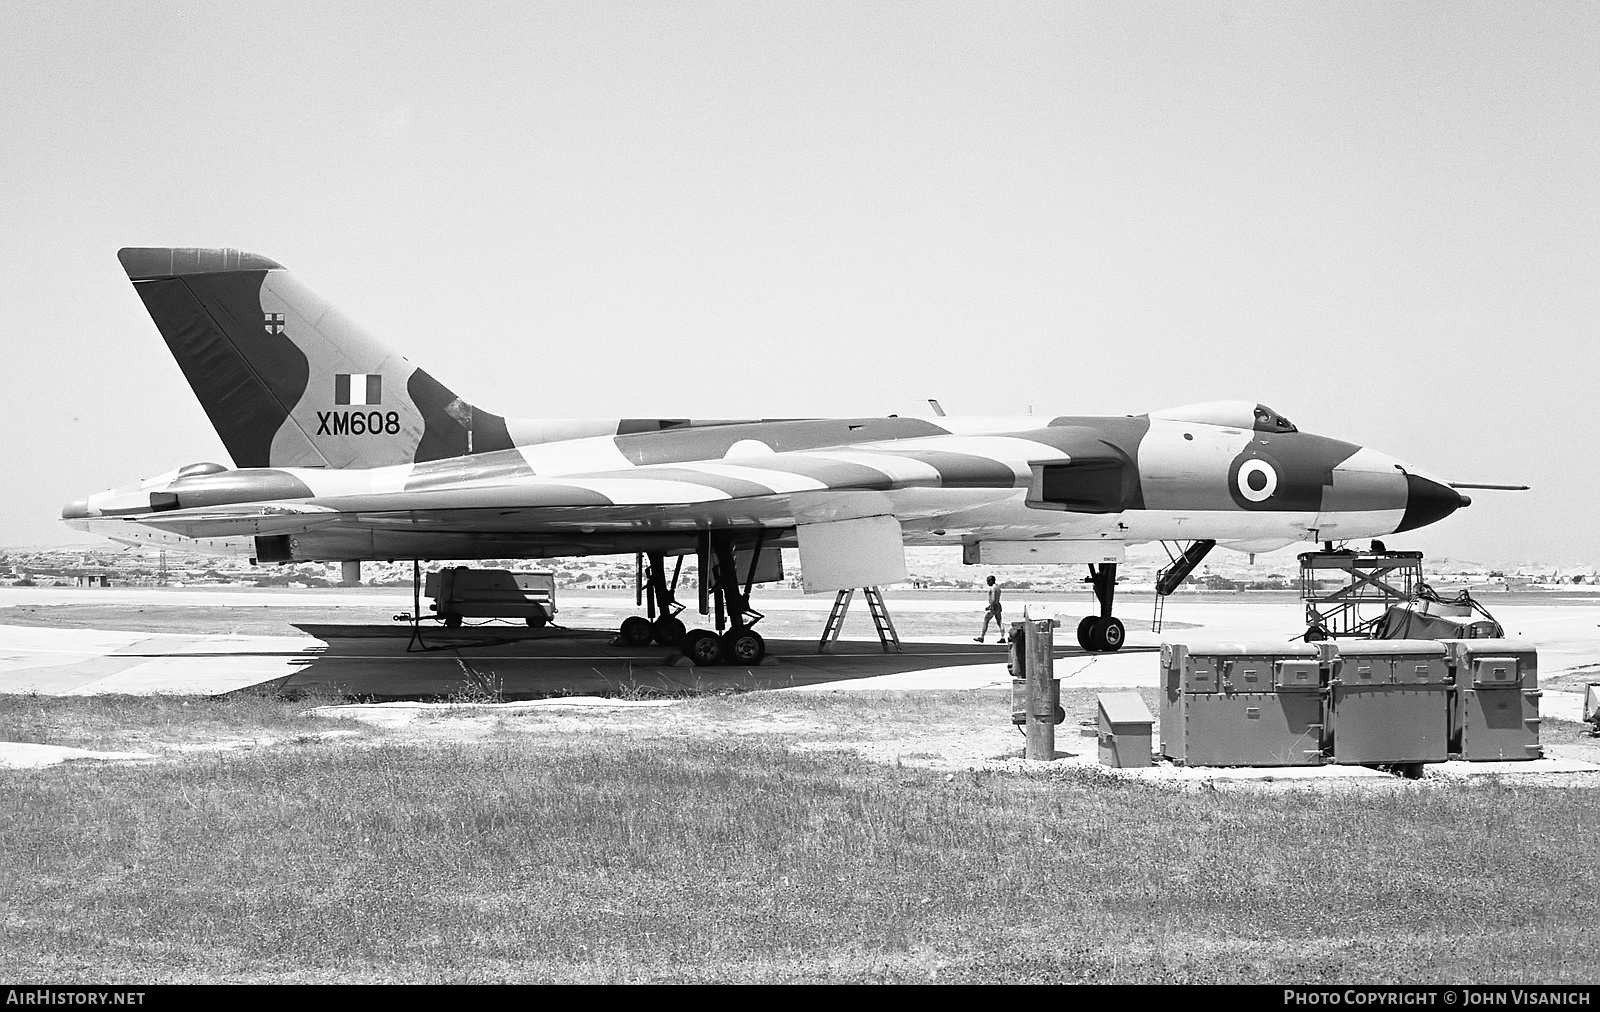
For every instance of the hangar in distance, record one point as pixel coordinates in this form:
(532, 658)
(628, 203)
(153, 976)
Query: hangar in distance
(344, 450)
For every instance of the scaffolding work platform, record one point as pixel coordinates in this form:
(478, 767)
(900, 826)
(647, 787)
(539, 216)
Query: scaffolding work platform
(1370, 583)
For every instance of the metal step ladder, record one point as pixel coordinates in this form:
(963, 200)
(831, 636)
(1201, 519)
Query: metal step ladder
(830, 631)
(887, 636)
(1161, 607)
(881, 619)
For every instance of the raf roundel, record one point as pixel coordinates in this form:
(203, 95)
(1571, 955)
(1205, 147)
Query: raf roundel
(1257, 480)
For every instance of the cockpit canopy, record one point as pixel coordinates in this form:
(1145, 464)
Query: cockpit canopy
(1232, 414)
(194, 469)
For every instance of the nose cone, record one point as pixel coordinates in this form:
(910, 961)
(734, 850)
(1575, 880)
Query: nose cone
(1428, 501)
(77, 509)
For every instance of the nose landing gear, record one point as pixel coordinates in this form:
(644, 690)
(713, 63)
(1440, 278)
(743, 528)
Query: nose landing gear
(1102, 633)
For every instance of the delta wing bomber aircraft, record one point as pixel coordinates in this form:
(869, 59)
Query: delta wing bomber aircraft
(343, 450)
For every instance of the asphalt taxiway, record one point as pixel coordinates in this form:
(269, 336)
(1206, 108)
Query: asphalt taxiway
(85, 641)
(388, 662)
(347, 643)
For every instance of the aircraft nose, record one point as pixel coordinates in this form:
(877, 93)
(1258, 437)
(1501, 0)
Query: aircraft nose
(77, 509)
(1428, 501)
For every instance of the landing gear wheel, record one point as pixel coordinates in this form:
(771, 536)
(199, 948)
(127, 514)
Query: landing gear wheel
(701, 647)
(452, 621)
(1315, 634)
(668, 631)
(1084, 629)
(538, 619)
(743, 647)
(635, 631)
(1108, 634)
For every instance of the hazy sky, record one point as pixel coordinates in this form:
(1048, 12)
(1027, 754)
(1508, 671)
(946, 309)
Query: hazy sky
(1382, 219)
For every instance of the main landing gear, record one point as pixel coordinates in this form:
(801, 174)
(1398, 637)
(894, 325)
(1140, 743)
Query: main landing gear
(735, 640)
(1101, 633)
(663, 625)
(719, 582)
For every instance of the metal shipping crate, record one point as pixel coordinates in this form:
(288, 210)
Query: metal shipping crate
(1125, 730)
(1242, 704)
(1389, 701)
(1496, 712)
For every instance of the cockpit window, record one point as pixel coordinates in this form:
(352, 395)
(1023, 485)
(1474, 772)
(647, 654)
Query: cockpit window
(1268, 420)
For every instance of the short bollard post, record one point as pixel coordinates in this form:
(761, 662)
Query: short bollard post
(1038, 659)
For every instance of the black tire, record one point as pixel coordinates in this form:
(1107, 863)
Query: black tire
(743, 648)
(701, 647)
(452, 621)
(538, 619)
(1084, 629)
(668, 631)
(1315, 634)
(1109, 635)
(636, 631)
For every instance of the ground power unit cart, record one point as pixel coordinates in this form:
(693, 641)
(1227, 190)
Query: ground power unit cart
(460, 592)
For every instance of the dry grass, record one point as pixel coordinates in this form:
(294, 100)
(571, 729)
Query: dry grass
(114, 722)
(707, 857)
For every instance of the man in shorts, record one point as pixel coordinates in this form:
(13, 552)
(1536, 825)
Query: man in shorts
(992, 611)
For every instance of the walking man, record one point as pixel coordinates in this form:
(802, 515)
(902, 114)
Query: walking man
(992, 611)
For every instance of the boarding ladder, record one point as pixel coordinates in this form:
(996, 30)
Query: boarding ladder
(1180, 566)
(887, 636)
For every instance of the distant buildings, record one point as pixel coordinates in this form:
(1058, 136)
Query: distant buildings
(931, 569)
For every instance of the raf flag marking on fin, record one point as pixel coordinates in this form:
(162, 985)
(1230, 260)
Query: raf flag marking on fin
(357, 388)
(273, 323)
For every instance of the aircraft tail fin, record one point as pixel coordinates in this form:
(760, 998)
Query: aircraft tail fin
(286, 379)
